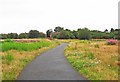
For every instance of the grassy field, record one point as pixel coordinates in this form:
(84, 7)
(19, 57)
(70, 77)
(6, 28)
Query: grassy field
(24, 46)
(93, 59)
(16, 54)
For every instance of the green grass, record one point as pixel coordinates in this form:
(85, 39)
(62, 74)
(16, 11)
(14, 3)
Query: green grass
(96, 46)
(16, 55)
(24, 46)
(79, 62)
(9, 58)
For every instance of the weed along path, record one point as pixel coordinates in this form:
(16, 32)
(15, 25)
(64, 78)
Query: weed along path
(51, 65)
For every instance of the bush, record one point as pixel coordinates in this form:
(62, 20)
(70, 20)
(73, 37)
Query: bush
(111, 42)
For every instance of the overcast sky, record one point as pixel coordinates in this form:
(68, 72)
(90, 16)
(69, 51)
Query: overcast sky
(23, 15)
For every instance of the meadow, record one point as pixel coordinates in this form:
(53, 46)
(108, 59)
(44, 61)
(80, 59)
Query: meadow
(16, 54)
(94, 59)
(11, 45)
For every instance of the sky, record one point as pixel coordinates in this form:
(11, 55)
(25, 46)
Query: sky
(19, 16)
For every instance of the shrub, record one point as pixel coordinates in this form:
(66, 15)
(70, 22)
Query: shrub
(111, 42)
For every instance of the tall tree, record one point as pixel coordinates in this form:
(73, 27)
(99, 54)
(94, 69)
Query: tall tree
(23, 35)
(106, 30)
(67, 30)
(112, 30)
(75, 33)
(84, 34)
(12, 35)
(58, 29)
(3, 36)
(34, 34)
(66, 35)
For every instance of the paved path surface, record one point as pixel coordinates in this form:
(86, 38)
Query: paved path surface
(51, 65)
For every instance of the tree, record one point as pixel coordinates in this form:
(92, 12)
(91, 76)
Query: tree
(66, 35)
(23, 35)
(75, 33)
(106, 30)
(84, 34)
(12, 35)
(67, 30)
(118, 36)
(79, 29)
(42, 35)
(71, 35)
(56, 34)
(34, 34)
(117, 33)
(112, 30)
(117, 29)
(111, 35)
(58, 29)
(48, 32)
(3, 36)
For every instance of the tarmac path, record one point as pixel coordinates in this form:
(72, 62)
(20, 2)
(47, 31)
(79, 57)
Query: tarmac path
(51, 65)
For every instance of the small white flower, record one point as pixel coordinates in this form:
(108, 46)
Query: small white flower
(97, 62)
(108, 65)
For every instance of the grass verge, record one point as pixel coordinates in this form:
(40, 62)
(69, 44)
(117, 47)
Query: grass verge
(93, 59)
(14, 60)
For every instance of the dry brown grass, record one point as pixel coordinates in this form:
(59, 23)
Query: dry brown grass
(106, 57)
(27, 40)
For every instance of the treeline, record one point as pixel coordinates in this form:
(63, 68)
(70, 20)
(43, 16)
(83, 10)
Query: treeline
(31, 34)
(84, 33)
(61, 33)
